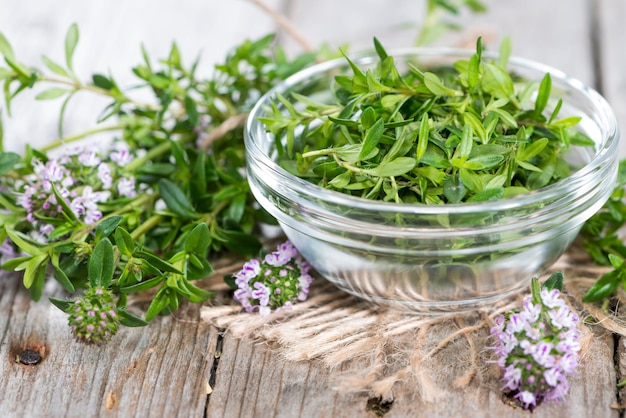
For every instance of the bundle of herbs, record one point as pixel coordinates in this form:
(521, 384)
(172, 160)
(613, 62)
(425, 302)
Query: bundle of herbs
(468, 132)
(146, 210)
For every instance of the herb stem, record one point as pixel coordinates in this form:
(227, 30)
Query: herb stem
(68, 139)
(150, 223)
(138, 201)
(152, 153)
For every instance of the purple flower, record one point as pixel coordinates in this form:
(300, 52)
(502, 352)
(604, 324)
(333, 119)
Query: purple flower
(275, 283)
(89, 158)
(104, 173)
(83, 177)
(126, 187)
(537, 348)
(121, 157)
(92, 318)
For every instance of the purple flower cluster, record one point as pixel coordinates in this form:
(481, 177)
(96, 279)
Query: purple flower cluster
(83, 178)
(92, 318)
(274, 283)
(537, 348)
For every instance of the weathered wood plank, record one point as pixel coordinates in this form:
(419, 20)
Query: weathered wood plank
(161, 370)
(611, 33)
(253, 380)
(537, 33)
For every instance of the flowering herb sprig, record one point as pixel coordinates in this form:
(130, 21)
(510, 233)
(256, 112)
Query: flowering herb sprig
(148, 209)
(274, 283)
(537, 348)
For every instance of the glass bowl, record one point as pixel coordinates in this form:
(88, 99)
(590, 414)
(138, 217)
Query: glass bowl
(436, 258)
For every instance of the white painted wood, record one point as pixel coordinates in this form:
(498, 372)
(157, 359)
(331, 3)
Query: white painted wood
(612, 35)
(111, 34)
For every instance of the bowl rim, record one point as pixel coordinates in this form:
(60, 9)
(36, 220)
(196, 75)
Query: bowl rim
(608, 150)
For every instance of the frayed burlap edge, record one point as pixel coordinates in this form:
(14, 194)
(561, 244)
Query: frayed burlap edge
(389, 347)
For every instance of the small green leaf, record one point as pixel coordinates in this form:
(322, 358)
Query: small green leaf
(107, 226)
(141, 286)
(175, 199)
(423, 138)
(497, 82)
(453, 189)
(467, 141)
(484, 162)
(63, 305)
(397, 167)
(487, 194)
(60, 275)
(543, 94)
(102, 82)
(101, 264)
(15, 264)
(473, 71)
(372, 137)
(160, 301)
(555, 281)
(157, 262)
(198, 240)
(603, 288)
(124, 242)
(193, 293)
(24, 243)
(32, 270)
(8, 161)
(436, 87)
(535, 290)
(71, 39)
(380, 50)
(129, 320)
(67, 211)
(52, 93)
(504, 52)
(533, 149)
(54, 67)
(5, 47)
(616, 261)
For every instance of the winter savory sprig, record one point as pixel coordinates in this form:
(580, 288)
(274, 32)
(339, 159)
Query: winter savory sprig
(274, 283)
(537, 348)
(147, 209)
(466, 133)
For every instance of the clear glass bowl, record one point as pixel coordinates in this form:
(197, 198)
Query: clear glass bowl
(438, 258)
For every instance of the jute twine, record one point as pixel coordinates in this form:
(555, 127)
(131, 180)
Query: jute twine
(334, 328)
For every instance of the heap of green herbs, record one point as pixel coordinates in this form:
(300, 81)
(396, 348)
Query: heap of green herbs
(466, 133)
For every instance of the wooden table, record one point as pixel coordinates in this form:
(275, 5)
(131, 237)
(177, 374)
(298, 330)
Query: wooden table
(183, 366)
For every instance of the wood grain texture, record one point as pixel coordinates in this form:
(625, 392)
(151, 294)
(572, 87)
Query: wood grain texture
(161, 370)
(253, 380)
(164, 370)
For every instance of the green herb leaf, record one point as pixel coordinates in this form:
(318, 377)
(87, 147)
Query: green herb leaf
(555, 281)
(124, 242)
(129, 320)
(604, 287)
(175, 199)
(372, 137)
(8, 161)
(198, 239)
(397, 167)
(543, 94)
(101, 264)
(71, 39)
(52, 93)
